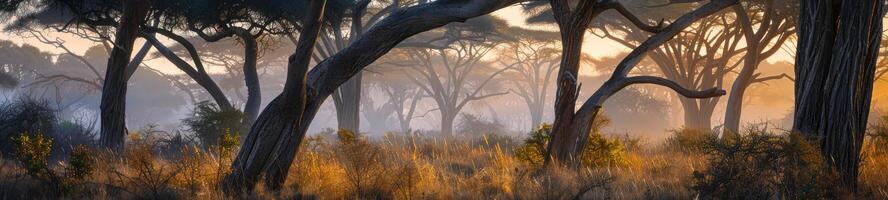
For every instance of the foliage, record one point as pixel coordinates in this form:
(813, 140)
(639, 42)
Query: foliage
(762, 165)
(209, 123)
(24, 115)
(33, 153)
(599, 151)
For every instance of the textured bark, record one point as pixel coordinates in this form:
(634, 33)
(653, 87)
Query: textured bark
(276, 134)
(835, 65)
(113, 105)
(571, 129)
(278, 131)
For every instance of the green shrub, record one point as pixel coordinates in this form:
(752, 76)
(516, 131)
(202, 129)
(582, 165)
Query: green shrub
(599, 151)
(33, 153)
(209, 122)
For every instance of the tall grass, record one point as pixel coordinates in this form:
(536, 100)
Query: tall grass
(345, 165)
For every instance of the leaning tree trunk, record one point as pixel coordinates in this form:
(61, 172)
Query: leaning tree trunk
(278, 131)
(113, 105)
(348, 104)
(837, 50)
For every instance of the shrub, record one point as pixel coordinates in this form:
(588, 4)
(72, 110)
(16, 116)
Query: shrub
(209, 122)
(599, 151)
(687, 140)
(476, 125)
(25, 115)
(33, 153)
(761, 165)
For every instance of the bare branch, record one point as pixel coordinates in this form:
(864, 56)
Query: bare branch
(709, 93)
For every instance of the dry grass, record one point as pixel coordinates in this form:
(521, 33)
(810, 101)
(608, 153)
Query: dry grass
(400, 166)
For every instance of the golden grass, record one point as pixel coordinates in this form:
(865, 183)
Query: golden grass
(402, 167)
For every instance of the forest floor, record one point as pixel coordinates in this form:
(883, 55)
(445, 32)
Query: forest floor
(399, 166)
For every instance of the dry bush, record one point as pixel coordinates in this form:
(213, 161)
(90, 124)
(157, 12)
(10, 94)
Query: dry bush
(687, 140)
(763, 165)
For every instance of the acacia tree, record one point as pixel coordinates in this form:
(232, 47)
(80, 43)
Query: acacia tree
(700, 57)
(535, 59)
(275, 137)
(838, 45)
(766, 26)
(451, 77)
(571, 127)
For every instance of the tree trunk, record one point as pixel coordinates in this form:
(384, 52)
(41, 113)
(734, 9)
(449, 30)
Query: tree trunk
(561, 146)
(278, 132)
(695, 117)
(536, 116)
(835, 65)
(251, 76)
(447, 119)
(348, 106)
(113, 105)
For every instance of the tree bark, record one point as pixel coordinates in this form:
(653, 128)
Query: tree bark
(835, 65)
(113, 105)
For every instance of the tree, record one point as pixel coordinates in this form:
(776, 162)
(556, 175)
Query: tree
(774, 23)
(453, 78)
(534, 55)
(698, 58)
(113, 106)
(275, 136)
(838, 44)
(571, 127)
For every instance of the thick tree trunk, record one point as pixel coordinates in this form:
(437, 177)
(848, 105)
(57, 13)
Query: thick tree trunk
(278, 132)
(113, 105)
(835, 64)
(560, 147)
(347, 103)
(695, 117)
